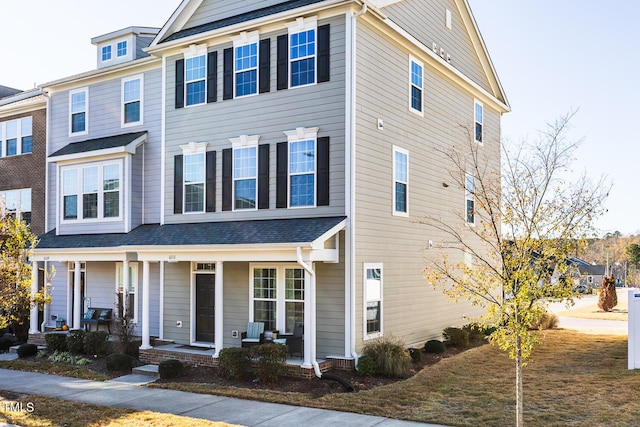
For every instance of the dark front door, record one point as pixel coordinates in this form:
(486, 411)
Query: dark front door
(205, 288)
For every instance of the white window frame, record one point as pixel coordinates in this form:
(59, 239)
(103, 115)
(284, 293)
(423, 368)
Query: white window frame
(477, 104)
(140, 100)
(190, 149)
(413, 60)
(366, 298)
(133, 286)
(195, 51)
(301, 135)
(21, 194)
(241, 143)
(280, 298)
(20, 134)
(117, 48)
(85, 111)
(245, 39)
(298, 26)
(447, 19)
(106, 50)
(469, 197)
(78, 168)
(395, 180)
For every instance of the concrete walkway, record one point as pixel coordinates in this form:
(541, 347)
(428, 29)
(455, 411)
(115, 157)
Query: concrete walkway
(126, 392)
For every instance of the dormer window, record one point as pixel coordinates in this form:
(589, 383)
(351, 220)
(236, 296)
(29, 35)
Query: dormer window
(122, 48)
(106, 53)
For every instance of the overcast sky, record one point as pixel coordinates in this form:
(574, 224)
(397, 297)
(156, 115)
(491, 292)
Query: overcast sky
(551, 56)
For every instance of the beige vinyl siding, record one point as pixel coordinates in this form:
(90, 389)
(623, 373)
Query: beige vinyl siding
(411, 308)
(425, 20)
(214, 10)
(177, 295)
(268, 115)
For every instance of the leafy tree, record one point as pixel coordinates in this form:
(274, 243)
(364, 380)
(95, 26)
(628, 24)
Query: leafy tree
(16, 300)
(528, 222)
(633, 252)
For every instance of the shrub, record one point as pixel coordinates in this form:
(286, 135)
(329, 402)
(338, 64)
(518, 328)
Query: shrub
(233, 362)
(366, 366)
(75, 341)
(271, 361)
(56, 342)
(476, 331)
(434, 346)
(547, 321)
(118, 362)
(458, 338)
(171, 368)
(608, 297)
(66, 357)
(416, 355)
(5, 344)
(26, 350)
(389, 355)
(97, 343)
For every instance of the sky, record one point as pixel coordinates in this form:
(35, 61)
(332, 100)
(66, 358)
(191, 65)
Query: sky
(551, 56)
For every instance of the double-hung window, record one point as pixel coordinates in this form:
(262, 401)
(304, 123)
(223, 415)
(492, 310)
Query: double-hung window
(12, 137)
(122, 48)
(277, 296)
(469, 189)
(302, 52)
(78, 100)
(17, 204)
(373, 300)
(195, 79)
(194, 182)
(26, 133)
(246, 64)
(132, 100)
(400, 181)
(302, 173)
(478, 114)
(416, 86)
(91, 192)
(16, 137)
(245, 177)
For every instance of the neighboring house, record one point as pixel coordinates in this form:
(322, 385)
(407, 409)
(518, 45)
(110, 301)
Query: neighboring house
(291, 147)
(8, 91)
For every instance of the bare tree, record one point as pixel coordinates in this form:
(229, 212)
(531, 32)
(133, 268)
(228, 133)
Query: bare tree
(526, 222)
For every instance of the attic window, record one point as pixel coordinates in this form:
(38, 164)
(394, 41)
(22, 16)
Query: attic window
(106, 53)
(122, 48)
(447, 19)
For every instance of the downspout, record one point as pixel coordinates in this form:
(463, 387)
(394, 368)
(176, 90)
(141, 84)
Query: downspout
(312, 274)
(351, 191)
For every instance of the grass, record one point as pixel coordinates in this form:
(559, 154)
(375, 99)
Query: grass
(594, 312)
(573, 379)
(55, 412)
(55, 369)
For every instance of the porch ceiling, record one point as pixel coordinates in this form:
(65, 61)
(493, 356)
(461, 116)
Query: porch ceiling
(275, 239)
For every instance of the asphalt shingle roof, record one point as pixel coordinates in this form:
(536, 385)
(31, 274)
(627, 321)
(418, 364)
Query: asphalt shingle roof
(243, 17)
(295, 230)
(98, 144)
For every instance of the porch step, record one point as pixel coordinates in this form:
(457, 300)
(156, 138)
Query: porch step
(148, 370)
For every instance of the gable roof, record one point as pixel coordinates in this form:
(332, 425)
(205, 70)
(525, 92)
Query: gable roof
(106, 145)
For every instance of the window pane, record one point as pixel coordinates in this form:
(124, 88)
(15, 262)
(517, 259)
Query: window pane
(303, 72)
(479, 132)
(400, 166)
(194, 168)
(12, 147)
(78, 102)
(122, 48)
(294, 315)
(302, 157)
(132, 112)
(195, 93)
(373, 317)
(77, 122)
(90, 205)
(195, 68)
(111, 204)
(194, 198)
(111, 177)
(302, 190)
(70, 207)
(416, 75)
(265, 311)
(245, 197)
(246, 83)
(25, 200)
(416, 98)
(401, 197)
(294, 284)
(26, 144)
(244, 162)
(264, 283)
(470, 211)
(12, 129)
(90, 180)
(26, 125)
(70, 182)
(132, 90)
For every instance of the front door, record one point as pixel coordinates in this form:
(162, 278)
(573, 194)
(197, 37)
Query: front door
(205, 290)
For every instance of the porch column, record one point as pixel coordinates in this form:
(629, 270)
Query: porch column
(125, 288)
(145, 306)
(218, 310)
(33, 317)
(309, 318)
(161, 311)
(77, 296)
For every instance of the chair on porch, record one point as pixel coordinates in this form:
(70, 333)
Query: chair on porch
(254, 334)
(295, 342)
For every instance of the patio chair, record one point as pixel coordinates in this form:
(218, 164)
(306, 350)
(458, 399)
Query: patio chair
(295, 342)
(254, 334)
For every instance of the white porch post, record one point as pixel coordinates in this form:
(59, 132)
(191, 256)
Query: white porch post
(161, 311)
(77, 296)
(145, 306)
(33, 317)
(125, 288)
(309, 319)
(218, 310)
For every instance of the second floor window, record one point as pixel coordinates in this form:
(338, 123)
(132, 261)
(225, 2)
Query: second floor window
(91, 192)
(245, 174)
(132, 100)
(17, 204)
(302, 57)
(194, 182)
(195, 74)
(416, 86)
(246, 69)
(400, 180)
(470, 199)
(302, 173)
(16, 137)
(78, 111)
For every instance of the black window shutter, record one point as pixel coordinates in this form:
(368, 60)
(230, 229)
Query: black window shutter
(282, 172)
(227, 180)
(227, 73)
(265, 66)
(177, 184)
(212, 73)
(180, 83)
(211, 181)
(263, 176)
(323, 172)
(283, 62)
(323, 53)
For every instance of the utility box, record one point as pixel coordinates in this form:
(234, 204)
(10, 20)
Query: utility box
(634, 328)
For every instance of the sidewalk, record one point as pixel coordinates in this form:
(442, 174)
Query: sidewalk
(125, 392)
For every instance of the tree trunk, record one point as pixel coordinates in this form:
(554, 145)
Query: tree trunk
(519, 392)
